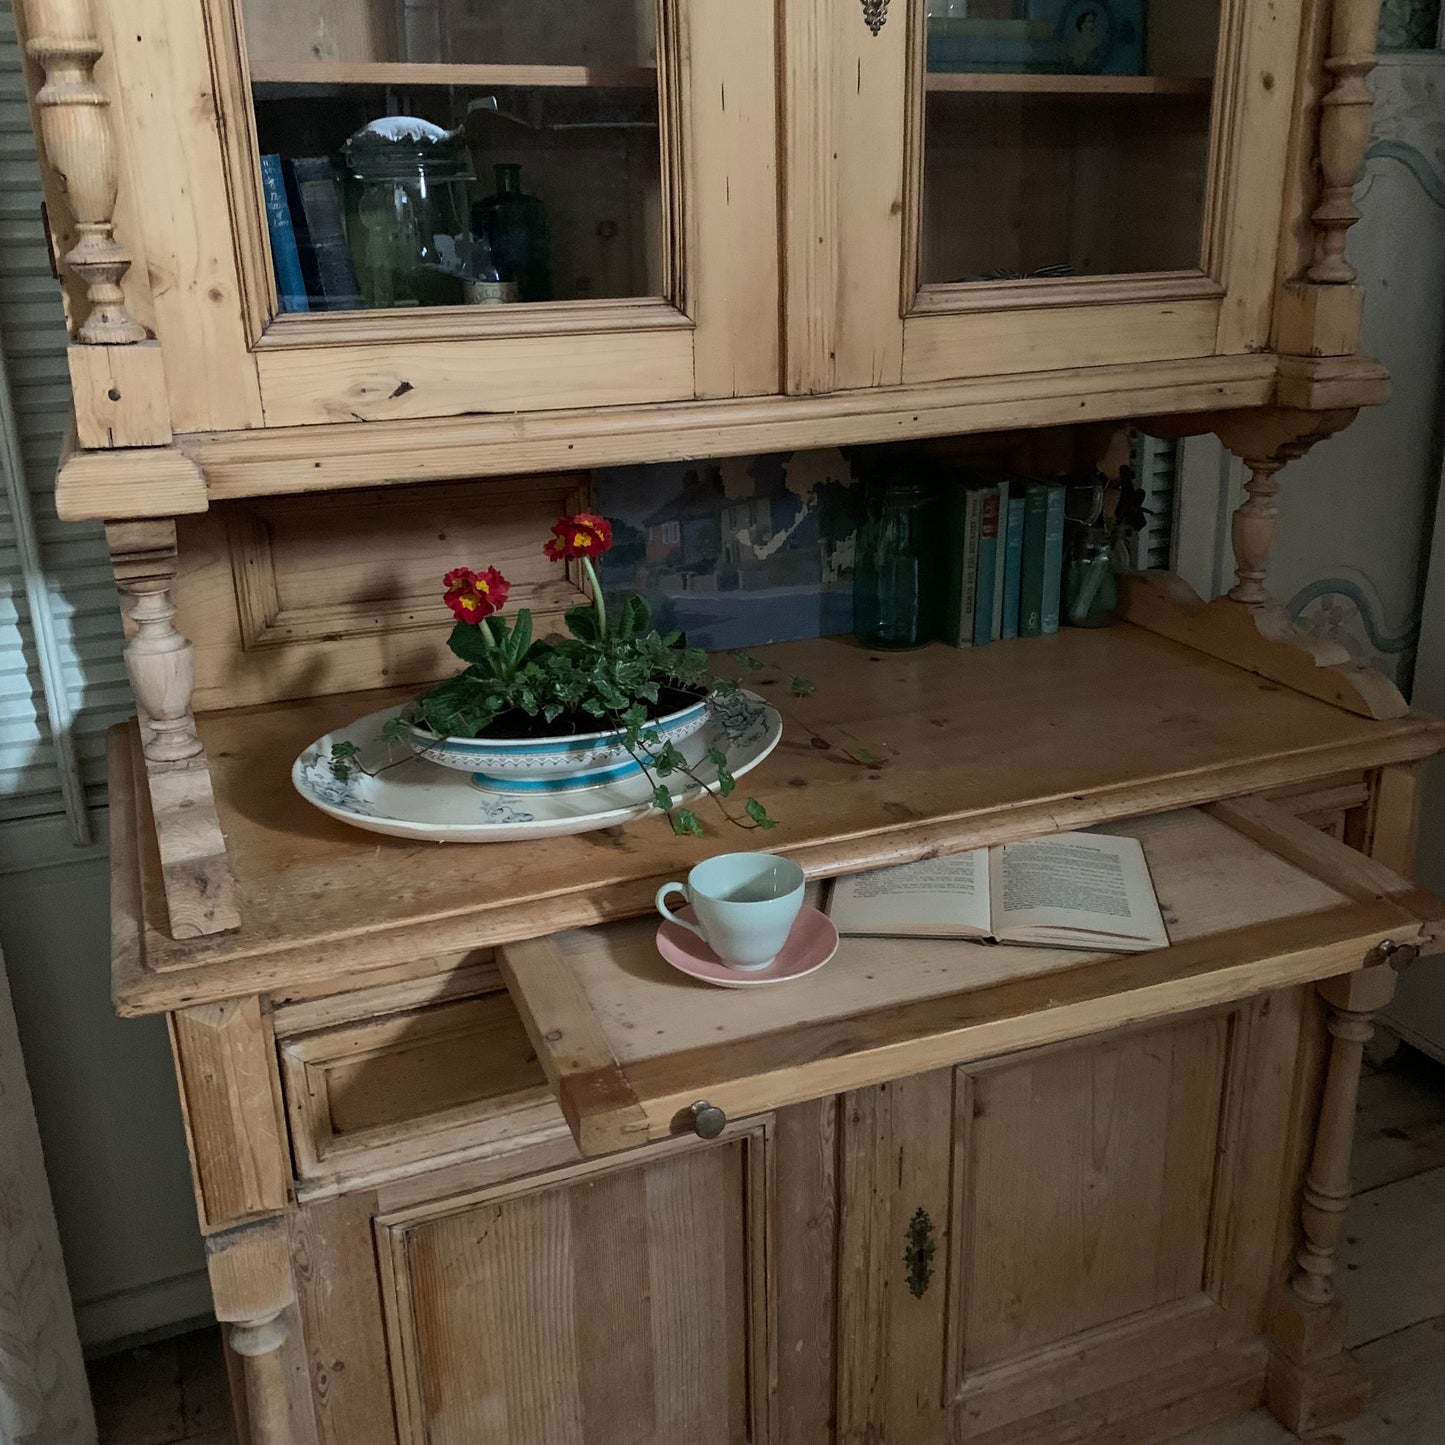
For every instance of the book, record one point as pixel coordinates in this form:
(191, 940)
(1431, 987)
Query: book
(965, 517)
(1031, 565)
(285, 259)
(1013, 556)
(1070, 890)
(985, 566)
(995, 624)
(1053, 557)
(326, 265)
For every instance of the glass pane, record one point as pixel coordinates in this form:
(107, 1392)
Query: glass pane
(1065, 137)
(456, 152)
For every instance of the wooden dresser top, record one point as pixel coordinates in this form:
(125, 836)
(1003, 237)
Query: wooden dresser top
(977, 746)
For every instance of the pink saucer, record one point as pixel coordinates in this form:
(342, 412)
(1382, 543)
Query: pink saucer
(810, 945)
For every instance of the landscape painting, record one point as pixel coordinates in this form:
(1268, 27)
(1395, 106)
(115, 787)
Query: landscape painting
(737, 552)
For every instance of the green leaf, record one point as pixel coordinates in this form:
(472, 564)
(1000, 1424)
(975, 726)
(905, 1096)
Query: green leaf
(342, 760)
(633, 617)
(467, 642)
(685, 824)
(661, 798)
(747, 662)
(395, 730)
(865, 756)
(802, 687)
(521, 638)
(758, 814)
(582, 623)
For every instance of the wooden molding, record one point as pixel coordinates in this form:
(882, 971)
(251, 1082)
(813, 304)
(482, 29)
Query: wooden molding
(229, 1096)
(1261, 640)
(121, 485)
(1331, 383)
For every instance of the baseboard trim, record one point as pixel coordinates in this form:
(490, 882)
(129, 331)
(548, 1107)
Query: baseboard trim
(146, 1312)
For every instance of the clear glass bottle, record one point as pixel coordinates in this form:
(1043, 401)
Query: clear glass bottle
(1091, 595)
(515, 225)
(406, 194)
(897, 578)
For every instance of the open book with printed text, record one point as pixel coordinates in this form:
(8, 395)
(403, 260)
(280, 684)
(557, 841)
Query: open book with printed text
(1071, 890)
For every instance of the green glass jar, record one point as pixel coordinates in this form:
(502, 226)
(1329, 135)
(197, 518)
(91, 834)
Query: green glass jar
(406, 208)
(515, 224)
(897, 579)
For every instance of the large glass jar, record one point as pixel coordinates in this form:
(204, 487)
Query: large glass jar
(897, 579)
(406, 210)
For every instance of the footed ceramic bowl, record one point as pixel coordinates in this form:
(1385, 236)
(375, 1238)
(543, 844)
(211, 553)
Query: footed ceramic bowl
(551, 765)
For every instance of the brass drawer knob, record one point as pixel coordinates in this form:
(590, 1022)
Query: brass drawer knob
(708, 1120)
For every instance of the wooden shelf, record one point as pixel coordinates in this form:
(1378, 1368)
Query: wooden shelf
(1105, 86)
(340, 72)
(983, 746)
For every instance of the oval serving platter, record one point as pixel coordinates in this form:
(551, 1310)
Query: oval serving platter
(403, 796)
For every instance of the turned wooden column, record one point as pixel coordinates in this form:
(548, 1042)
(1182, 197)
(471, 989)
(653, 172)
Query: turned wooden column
(75, 125)
(1312, 1381)
(158, 660)
(258, 1343)
(1344, 135)
(1254, 530)
(255, 1297)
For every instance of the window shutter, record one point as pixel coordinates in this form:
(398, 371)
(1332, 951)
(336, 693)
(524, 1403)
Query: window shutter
(1156, 468)
(79, 645)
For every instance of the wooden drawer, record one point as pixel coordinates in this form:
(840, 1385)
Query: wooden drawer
(1255, 899)
(417, 1084)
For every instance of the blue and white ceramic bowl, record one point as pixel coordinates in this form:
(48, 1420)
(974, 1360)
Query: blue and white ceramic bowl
(551, 765)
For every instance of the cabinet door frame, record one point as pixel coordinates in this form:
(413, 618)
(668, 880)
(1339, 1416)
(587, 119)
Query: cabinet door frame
(180, 85)
(867, 205)
(759, 1221)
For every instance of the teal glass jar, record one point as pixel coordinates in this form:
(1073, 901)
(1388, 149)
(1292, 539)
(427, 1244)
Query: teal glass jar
(515, 226)
(406, 211)
(897, 577)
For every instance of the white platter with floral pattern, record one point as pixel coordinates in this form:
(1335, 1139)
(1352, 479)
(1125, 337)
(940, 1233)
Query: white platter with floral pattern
(403, 796)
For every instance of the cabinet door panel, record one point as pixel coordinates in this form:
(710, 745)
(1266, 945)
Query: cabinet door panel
(613, 1307)
(1119, 1223)
(1102, 1216)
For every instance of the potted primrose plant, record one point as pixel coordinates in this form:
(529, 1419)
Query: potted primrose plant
(613, 699)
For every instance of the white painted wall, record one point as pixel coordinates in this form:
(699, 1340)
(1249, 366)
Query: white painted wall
(104, 1094)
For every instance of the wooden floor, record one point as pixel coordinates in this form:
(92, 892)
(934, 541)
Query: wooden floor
(1394, 1255)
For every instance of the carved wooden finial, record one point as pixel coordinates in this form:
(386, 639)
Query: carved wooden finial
(1344, 135)
(80, 147)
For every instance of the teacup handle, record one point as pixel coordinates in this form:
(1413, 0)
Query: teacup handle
(668, 914)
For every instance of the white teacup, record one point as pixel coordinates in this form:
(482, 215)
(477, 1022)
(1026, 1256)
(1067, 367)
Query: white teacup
(745, 903)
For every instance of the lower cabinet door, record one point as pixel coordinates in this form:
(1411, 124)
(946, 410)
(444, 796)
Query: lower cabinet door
(622, 1305)
(1042, 1247)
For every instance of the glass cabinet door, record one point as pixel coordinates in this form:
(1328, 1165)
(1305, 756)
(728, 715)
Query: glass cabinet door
(421, 153)
(1038, 186)
(1065, 138)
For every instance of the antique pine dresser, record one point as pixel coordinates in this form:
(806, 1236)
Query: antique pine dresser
(439, 1101)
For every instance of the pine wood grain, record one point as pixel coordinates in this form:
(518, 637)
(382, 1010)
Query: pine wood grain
(1149, 725)
(237, 1143)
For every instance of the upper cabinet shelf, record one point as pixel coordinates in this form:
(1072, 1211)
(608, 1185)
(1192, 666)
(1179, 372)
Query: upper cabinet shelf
(1088, 86)
(407, 74)
(580, 220)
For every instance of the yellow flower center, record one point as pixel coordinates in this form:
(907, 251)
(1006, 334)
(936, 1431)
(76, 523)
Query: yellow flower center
(581, 539)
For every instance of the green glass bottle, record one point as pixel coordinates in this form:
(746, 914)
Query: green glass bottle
(897, 574)
(515, 225)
